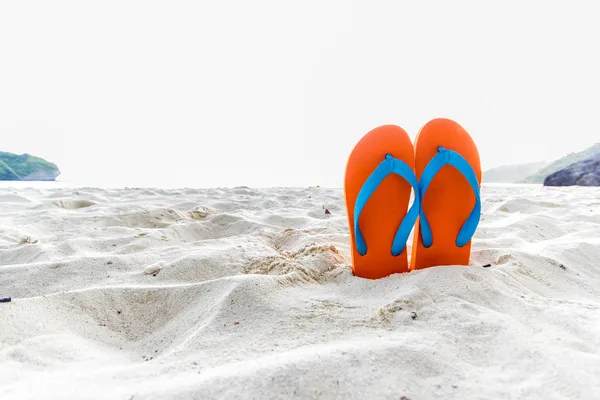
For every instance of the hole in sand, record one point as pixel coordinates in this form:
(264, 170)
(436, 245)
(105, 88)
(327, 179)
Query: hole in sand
(73, 204)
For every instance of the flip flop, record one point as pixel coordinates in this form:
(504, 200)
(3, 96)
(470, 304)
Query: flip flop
(379, 178)
(449, 171)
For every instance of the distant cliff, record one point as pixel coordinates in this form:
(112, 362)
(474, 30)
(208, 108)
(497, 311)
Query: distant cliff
(512, 173)
(24, 167)
(582, 173)
(561, 163)
(536, 172)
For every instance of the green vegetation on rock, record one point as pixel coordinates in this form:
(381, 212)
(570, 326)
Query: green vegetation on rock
(561, 163)
(24, 167)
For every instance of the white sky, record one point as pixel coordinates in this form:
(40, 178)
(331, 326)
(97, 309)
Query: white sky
(276, 93)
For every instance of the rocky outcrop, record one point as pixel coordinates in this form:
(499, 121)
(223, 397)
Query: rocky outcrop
(582, 173)
(561, 163)
(25, 167)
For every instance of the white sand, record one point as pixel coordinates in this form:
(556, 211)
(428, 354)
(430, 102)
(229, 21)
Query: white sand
(151, 294)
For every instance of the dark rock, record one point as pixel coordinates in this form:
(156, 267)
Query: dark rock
(582, 173)
(562, 163)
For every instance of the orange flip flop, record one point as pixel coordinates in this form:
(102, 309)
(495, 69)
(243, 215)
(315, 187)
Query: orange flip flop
(449, 171)
(379, 178)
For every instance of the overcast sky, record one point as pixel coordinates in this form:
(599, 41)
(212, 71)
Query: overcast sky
(276, 93)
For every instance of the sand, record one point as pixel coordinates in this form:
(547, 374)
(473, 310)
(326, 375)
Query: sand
(244, 293)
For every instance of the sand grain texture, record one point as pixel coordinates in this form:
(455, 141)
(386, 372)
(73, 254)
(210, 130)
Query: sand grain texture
(243, 293)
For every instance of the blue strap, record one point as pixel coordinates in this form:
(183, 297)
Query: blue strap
(450, 157)
(386, 167)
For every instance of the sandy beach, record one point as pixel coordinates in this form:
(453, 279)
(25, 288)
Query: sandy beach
(244, 293)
